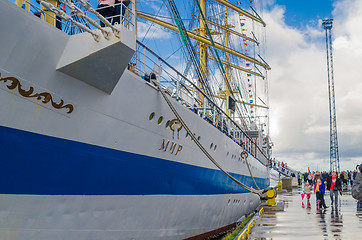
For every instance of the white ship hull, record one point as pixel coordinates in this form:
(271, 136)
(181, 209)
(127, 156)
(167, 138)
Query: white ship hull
(104, 171)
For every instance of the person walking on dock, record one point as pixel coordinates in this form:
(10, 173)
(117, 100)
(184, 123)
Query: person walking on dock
(307, 191)
(319, 189)
(357, 188)
(299, 178)
(334, 187)
(310, 178)
(317, 176)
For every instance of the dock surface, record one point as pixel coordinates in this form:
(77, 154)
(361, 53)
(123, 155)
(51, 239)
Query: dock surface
(301, 220)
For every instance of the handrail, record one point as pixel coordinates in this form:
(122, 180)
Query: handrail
(210, 102)
(87, 14)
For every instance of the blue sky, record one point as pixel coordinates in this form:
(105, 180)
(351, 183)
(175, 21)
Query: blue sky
(301, 13)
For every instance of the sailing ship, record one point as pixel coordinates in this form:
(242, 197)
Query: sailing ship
(103, 138)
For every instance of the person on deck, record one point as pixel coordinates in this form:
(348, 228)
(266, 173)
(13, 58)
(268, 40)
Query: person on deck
(107, 10)
(334, 187)
(120, 7)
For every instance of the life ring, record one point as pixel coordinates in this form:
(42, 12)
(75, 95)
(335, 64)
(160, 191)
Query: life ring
(244, 154)
(173, 123)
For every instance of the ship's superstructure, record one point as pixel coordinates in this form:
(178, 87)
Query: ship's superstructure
(95, 130)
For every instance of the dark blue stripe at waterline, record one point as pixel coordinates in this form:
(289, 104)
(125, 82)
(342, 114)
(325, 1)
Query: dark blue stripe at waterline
(37, 164)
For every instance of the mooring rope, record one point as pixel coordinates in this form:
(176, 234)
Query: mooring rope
(258, 192)
(247, 164)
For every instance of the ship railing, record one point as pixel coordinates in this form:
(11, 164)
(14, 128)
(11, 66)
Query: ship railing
(147, 64)
(126, 16)
(282, 167)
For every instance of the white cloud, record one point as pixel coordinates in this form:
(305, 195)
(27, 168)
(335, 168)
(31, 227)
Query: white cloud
(154, 32)
(299, 90)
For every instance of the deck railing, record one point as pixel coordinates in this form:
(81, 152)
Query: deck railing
(150, 66)
(126, 16)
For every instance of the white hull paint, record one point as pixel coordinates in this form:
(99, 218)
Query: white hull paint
(119, 217)
(119, 121)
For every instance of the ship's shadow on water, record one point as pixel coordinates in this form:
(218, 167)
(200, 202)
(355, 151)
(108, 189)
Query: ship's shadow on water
(302, 220)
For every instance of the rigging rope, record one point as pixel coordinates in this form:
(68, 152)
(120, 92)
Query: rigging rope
(190, 48)
(250, 189)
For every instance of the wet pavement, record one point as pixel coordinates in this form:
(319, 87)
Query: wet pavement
(301, 220)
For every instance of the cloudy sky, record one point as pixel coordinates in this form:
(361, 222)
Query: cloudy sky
(298, 81)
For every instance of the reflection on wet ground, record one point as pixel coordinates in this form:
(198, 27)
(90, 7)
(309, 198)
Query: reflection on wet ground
(302, 220)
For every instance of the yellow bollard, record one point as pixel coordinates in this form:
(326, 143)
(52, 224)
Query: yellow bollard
(280, 186)
(271, 197)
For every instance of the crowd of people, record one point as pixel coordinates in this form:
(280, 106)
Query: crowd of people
(334, 183)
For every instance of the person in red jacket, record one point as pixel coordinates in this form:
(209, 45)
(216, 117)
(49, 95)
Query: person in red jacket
(334, 187)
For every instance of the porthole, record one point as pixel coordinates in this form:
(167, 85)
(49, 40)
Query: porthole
(167, 123)
(151, 116)
(198, 138)
(160, 120)
(211, 145)
(215, 148)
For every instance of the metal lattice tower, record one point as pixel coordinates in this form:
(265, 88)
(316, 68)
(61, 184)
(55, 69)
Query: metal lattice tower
(334, 155)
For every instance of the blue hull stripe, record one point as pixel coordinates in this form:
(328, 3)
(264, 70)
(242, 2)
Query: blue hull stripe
(32, 163)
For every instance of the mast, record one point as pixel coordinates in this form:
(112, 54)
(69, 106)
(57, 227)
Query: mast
(227, 66)
(20, 4)
(51, 18)
(203, 46)
(205, 40)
